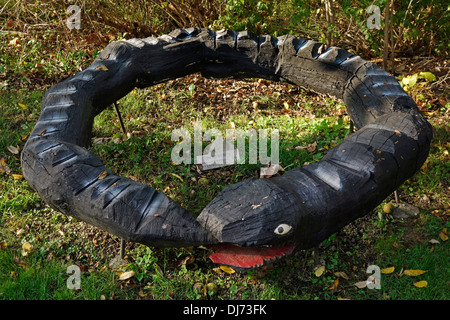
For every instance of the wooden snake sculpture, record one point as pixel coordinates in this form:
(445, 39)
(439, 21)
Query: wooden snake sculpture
(257, 220)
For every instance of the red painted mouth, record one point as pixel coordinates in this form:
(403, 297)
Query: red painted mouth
(247, 257)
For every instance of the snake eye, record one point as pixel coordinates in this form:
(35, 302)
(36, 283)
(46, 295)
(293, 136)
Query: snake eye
(282, 229)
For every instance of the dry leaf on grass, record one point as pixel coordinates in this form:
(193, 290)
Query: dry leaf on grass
(420, 284)
(335, 284)
(26, 246)
(361, 284)
(14, 150)
(177, 176)
(319, 271)
(387, 270)
(126, 275)
(443, 234)
(414, 273)
(227, 269)
(310, 147)
(4, 166)
(341, 274)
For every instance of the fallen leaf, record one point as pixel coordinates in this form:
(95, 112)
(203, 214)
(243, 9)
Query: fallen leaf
(335, 284)
(388, 208)
(361, 284)
(227, 269)
(42, 132)
(410, 81)
(102, 175)
(142, 294)
(414, 273)
(420, 284)
(311, 147)
(4, 166)
(387, 270)
(3, 245)
(341, 274)
(427, 76)
(101, 67)
(13, 150)
(434, 241)
(26, 246)
(443, 235)
(267, 172)
(187, 260)
(319, 271)
(22, 105)
(177, 176)
(17, 176)
(126, 275)
(339, 298)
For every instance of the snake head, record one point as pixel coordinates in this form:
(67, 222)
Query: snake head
(253, 221)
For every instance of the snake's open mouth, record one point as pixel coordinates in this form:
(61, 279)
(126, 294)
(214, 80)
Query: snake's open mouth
(248, 257)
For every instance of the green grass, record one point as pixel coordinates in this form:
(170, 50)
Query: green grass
(401, 287)
(36, 278)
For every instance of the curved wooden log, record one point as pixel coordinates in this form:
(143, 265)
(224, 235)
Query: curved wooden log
(296, 210)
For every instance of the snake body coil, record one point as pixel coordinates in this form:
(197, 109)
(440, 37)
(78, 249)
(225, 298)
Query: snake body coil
(298, 209)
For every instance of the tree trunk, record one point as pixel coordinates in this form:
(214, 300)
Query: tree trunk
(387, 30)
(329, 12)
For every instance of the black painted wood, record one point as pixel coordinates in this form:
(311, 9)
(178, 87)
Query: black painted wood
(317, 200)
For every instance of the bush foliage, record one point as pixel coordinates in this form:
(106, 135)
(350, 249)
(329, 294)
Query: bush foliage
(418, 27)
